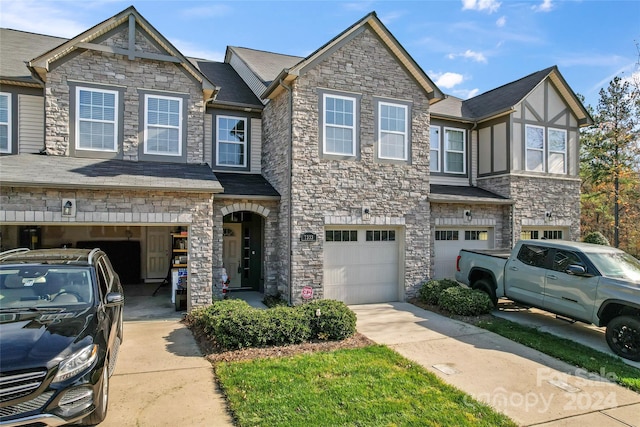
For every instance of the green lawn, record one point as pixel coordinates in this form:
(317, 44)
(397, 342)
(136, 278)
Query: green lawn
(371, 386)
(568, 351)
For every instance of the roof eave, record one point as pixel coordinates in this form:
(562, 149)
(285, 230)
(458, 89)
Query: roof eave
(182, 189)
(437, 198)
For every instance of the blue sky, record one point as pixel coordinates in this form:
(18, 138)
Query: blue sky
(466, 46)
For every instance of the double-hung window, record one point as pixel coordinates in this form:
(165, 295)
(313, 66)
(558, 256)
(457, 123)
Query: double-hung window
(557, 151)
(434, 143)
(339, 125)
(231, 141)
(454, 151)
(163, 125)
(393, 137)
(5, 123)
(534, 156)
(96, 119)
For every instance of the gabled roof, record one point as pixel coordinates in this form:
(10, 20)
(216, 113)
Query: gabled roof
(372, 22)
(244, 185)
(16, 48)
(504, 98)
(264, 65)
(41, 64)
(233, 91)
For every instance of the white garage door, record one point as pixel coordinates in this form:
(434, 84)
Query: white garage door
(361, 265)
(449, 241)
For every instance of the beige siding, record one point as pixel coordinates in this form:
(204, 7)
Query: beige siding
(484, 151)
(500, 147)
(208, 139)
(474, 157)
(30, 123)
(556, 106)
(517, 156)
(256, 145)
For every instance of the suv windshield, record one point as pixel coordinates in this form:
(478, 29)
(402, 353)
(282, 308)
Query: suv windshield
(34, 286)
(619, 265)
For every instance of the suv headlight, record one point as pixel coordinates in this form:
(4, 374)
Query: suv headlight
(76, 363)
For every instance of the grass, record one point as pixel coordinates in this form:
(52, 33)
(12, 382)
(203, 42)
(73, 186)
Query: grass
(581, 356)
(370, 386)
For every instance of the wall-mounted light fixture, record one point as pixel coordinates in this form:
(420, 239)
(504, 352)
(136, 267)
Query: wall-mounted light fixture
(366, 213)
(69, 207)
(467, 215)
(547, 216)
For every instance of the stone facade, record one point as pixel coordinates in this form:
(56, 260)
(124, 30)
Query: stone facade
(326, 191)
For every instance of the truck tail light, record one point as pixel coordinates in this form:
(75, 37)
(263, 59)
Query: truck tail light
(458, 263)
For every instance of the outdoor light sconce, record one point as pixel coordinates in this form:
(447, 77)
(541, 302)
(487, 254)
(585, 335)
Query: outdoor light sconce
(68, 207)
(467, 215)
(547, 216)
(366, 214)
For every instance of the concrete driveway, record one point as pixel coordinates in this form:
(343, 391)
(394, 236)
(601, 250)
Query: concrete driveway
(526, 385)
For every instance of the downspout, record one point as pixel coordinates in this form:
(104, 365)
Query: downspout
(290, 167)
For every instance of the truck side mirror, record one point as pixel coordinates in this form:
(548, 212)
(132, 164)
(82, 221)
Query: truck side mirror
(576, 270)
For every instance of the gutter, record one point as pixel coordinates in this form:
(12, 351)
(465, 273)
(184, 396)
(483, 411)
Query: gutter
(290, 166)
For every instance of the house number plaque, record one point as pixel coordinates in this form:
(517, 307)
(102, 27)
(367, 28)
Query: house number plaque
(308, 237)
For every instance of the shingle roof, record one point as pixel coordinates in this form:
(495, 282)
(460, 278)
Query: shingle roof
(239, 184)
(460, 194)
(232, 88)
(70, 172)
(265, 65)
(18, 47)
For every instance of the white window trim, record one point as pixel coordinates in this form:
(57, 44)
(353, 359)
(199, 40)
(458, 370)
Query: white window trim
(526, 149)
(246, 135)
(324, 124)
(405, 134)
(116, 115)
(563, 152)
(435, 149)
(8, 124)
(146, 125)
(446, 150)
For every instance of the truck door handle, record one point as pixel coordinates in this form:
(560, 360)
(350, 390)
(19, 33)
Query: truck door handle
(552, 277)
(513, 268)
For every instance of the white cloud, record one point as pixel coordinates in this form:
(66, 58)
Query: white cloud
(466, 93)
(546, 6)
(389, 17)
(41, 17)
(447, 80)
(469, 54)
(501, 22)
(488, 5)
(188, 48)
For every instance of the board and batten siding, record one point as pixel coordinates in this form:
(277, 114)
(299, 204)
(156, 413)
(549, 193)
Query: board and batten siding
(30, 124)
(208, 139)
(256, 146)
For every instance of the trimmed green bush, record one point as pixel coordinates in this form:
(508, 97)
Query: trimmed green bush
(429, 292)
(274, 300)
(287, 326)
(464, 301)
(329, 319)
(597, 238)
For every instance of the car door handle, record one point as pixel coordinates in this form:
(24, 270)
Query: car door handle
(552, 277)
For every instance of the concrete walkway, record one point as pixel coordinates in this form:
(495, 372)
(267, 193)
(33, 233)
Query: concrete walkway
(162, 379)
(526, 385)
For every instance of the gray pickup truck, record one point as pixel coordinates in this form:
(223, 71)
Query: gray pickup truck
(588, 283)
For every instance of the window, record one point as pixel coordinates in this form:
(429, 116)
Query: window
(5, 123)
(557, 151)
(339, 127)
(434, 142)
(534, 157)
(476, 235)
(231, 141)
(163, 125)
(96, 119)
(533, 255)
(546, 234)
(381, 235)
(446, 234)
(393, 141)
(552, 234)
(564, 259)
(341, 235)
(529, 234)
(454, 151)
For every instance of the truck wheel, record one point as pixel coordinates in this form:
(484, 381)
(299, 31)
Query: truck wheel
(486, 287)
(623, 337)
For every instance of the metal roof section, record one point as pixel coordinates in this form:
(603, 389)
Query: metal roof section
(242, 185)
(468, 195)
(130, 17)
(24, 170)
(371, 21)
(265, 65)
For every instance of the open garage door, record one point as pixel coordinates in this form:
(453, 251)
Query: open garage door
(361, 265)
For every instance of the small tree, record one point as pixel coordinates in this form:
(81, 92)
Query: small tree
(597, 238)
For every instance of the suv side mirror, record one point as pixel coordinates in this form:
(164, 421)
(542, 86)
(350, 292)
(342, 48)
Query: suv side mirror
(114, 298)
(576, 270)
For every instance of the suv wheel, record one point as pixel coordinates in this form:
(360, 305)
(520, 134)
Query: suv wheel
(100, 413)
(623, 336)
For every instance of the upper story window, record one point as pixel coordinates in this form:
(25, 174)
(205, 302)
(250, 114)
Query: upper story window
(393, 135)
(5, 123)
(96, 119)
(557, 151)
(231, 141)
(338, 125)
(535, 146)
(162, 125)
(434, 143)
(454, 151)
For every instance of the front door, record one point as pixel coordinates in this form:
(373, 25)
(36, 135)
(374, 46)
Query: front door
(232, 253)
(157, 252)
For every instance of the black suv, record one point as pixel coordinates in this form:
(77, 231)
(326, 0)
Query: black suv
(60, 331)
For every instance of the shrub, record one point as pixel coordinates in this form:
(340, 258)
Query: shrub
(597, 238)
(274, 300)
(430, 291)
(329, 319)
(464, 301)
(287, 326)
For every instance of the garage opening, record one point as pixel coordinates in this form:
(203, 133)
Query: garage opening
(449, 241)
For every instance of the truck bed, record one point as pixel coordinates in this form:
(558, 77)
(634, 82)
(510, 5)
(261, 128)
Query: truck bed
(498, 253)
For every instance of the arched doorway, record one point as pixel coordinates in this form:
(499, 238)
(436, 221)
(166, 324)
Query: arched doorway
(242, 250)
